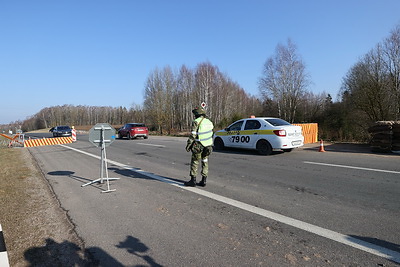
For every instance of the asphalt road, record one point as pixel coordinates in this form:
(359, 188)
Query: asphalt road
(303, 208)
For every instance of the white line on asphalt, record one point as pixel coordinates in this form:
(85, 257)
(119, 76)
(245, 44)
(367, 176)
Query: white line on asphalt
(351, 167)
(144, 144)
(332, 235)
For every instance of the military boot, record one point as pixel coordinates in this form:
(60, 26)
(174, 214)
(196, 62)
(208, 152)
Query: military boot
(203, 181)
(192, 182)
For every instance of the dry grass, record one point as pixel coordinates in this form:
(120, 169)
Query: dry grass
(3, 141)
(37, 231)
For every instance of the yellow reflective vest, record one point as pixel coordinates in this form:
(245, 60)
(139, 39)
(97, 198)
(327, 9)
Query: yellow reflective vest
(204, 131)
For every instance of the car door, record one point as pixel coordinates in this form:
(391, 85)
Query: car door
(232, 137)
(250, 134)
(123, 131)
(55, 131)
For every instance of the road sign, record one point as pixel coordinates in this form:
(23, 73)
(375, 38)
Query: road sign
(102, 132)
(102, 135)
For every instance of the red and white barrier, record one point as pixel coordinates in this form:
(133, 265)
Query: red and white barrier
(73, 135)
(47, 141)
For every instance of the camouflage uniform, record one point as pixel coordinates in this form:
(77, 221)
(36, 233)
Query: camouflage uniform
(200, 143)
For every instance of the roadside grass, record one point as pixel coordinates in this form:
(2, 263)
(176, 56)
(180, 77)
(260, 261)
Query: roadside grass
(14, 204)
(30, 215)
(4, 142)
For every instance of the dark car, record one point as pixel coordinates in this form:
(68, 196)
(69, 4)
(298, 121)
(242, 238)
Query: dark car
(62, 131)
(133, 130)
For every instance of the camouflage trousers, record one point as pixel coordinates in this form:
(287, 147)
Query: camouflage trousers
(199, 152)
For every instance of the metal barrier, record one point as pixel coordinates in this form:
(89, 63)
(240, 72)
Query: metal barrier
(19, 140)
(47, 141)
(16, 139)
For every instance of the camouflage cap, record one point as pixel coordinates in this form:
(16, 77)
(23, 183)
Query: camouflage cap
(199, 111)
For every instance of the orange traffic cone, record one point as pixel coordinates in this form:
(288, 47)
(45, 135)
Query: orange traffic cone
(321, 146)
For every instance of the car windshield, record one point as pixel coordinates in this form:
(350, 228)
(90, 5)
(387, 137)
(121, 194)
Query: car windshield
(137, 125)
(63, 128)
(277, 122)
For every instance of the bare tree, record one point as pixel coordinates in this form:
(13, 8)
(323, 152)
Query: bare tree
(368, 85)
(392, 61)
(284, 80)
(154, 99)
(205, 81)
(312, 106)
(184, 96)
(170, 89)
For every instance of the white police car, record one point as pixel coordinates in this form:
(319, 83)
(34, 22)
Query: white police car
(262, 134)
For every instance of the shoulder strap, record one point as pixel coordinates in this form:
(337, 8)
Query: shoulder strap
(198, 127)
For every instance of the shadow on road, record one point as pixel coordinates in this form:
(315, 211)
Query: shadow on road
(346, 148)
(130, 173)
(67, 253)
(57, 254)
(69, 174)
(138, 173)
(137, 248)
(382, 246)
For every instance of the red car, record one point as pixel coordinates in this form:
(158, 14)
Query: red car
(133, 130)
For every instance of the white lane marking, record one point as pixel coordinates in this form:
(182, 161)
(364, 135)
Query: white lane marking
(144, 144)
(351, 167)
(332, 235)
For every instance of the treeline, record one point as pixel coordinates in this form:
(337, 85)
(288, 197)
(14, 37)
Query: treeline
(371, 89)
(170, 97)
(80, 115)
(370, 92)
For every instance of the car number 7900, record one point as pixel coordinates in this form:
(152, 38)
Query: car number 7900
(240, 139)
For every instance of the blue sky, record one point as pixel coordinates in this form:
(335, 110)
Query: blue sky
(100, 53)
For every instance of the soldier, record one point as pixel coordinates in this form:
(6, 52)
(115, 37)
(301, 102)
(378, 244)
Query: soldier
(200, 143)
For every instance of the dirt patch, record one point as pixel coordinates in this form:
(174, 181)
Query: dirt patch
(37, 231)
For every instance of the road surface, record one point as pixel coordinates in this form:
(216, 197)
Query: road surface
(303, 208)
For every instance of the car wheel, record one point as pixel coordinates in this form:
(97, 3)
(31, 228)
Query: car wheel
(146, 137)
(128, 136)
(219, 144)
(264, 148)
(287, 150)
(54, 135)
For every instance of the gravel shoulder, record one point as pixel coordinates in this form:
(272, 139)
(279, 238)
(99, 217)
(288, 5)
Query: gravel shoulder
(36, 229)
